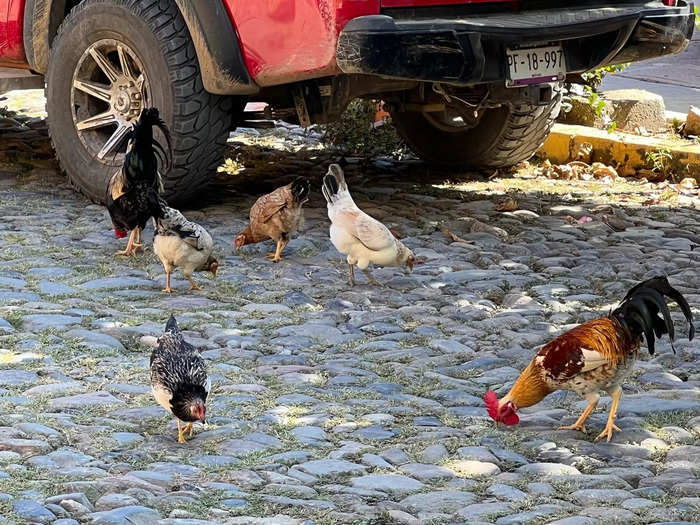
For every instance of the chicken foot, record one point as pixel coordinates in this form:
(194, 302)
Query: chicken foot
(277, 256)
(579, 424)
(130, 249)
(610, 425)
(371, 279)
(167, 288)
(189, 429)
(180, 434)
(193, 285)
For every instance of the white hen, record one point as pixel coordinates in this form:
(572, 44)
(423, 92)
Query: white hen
(354, 233)
(179, 242)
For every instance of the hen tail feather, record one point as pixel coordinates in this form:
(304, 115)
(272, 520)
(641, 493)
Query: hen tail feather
(301, 187)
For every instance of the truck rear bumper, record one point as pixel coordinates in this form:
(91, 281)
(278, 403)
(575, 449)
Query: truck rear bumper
(472, 50)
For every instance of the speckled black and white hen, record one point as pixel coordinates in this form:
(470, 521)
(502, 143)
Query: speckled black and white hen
(179, 379)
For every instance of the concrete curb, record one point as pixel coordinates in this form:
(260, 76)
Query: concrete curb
(618, 148)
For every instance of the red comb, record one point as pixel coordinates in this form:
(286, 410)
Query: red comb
(419, 262)
(119, 233)
(491, 400)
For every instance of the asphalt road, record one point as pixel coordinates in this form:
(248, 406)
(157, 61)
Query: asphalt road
(675, 77)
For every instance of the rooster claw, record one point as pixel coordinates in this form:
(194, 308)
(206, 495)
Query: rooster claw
(168, 290)
(274, 257)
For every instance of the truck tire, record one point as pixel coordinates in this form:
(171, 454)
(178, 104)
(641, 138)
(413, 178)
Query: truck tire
(503, 136)
(110, 59)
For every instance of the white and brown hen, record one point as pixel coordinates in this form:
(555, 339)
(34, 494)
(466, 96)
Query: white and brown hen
(362, 238)
(182, 243)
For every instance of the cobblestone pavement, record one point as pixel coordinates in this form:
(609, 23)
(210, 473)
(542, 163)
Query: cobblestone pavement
(332, 404)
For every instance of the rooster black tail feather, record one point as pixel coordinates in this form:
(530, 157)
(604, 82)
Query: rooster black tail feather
(639, 311)
(142, 134)
(301, 187)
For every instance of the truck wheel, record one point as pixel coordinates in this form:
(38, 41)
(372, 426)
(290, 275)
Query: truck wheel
(498, 137)
(110, 59)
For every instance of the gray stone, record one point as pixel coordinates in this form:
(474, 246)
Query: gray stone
(434, 454)
(51, 288)
(395, 484)
(548, 469)
(589, 497)
(506, 492)
(442, 501)
(92, 399)
(477, 511)
(136, 515)
(17, 377)
(331, 467)
(426, 472)
(39, 322)
(32, 511)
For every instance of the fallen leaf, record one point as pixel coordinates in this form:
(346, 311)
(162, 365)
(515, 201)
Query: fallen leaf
(584, 151)
(508, 204)
(601, 172)
(688, 183)
(454, 238)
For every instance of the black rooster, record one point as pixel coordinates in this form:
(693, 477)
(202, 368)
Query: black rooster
(132, 192)
(179, 378)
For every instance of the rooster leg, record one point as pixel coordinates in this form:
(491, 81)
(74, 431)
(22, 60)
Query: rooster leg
(167, 288)
(130, 245)
(351, 280)
(610, 426)
(137, 243)
(371, 279)
(180, 436)
(189, 429)
(579, 425)
(193, 285)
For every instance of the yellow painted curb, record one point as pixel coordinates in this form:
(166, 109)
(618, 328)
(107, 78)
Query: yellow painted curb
(625, 149)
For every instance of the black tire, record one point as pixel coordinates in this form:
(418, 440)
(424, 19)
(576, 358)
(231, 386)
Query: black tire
(502, 137)
(155, 32)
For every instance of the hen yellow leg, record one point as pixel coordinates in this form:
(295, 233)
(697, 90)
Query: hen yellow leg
(351, 280)
(277, 256)
(579, 425)
(193, 285)
(189, 428)
(130, 245)
(167, 288)
(180, 436)
(610, 426)
(371, 279)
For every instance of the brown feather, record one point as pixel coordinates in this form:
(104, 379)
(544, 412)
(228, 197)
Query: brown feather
(563, 360)
(117, 184)
(274, 216)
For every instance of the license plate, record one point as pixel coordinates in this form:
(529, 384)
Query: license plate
(535, 65)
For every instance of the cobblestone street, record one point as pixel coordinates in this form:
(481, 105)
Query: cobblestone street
(333, 404)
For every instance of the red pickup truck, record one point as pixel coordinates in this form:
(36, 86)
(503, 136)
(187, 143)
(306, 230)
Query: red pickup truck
(467, 82)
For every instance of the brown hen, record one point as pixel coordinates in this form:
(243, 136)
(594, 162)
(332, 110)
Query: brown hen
(277, 216)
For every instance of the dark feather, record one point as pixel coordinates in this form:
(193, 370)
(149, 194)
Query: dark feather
(301, 187)
(639, 311)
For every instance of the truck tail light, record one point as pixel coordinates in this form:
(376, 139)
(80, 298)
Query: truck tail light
(669, 3)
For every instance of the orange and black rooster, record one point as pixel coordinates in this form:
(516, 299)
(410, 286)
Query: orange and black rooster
(132, 192)
(597, 355)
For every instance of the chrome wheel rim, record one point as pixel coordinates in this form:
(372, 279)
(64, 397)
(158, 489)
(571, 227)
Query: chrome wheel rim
(108, 91)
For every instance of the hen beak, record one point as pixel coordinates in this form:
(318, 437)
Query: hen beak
(409, 263)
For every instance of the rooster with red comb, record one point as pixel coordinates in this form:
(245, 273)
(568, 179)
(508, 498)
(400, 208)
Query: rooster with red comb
(594, 356)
